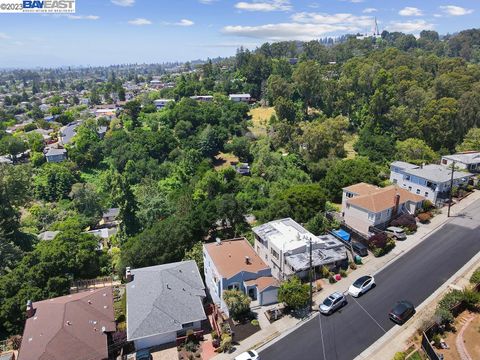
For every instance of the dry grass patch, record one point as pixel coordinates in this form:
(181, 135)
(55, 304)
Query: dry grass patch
(224, 160)
(260, 117)
(351, 153)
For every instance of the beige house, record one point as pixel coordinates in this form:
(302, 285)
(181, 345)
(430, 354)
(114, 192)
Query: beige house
(365, 205)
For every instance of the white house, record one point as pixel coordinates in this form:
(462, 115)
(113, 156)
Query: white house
(431, 181)
(161, 103)
(240, 97)
(204, 98)
(284, 246)
(163, 303)
(365, 205)
(469, 161)
(233, 264)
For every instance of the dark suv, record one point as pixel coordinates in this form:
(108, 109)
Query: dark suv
(402, 311)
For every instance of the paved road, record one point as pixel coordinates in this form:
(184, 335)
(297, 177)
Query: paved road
(414, 277)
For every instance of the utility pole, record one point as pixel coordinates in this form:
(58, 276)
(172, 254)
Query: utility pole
(311, 276)
(451, 189)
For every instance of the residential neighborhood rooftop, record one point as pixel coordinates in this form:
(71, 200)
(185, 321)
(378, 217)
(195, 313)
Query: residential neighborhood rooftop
(361, 188)
(472, 157)
(229, 257)
(263, 282)
(162, 298)
(71, 324)
(48, 235)
(436, 173)
(383, 198)
(54, 152)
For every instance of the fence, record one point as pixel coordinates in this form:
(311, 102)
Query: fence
(83, 285)
(428, 348)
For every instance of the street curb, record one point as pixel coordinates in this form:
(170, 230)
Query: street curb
(366, 354)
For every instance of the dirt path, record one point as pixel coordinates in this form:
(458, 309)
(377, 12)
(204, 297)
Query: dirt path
(460, 343)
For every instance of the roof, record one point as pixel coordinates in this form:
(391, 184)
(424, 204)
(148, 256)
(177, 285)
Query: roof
(71, 324)
(7, 356)
(285, 234)
(472, 157)
(361, 188)
(239, 95)
(437, 173)
(112, 212)
(383, 199)
(55, 152)
(263, 283)
(404, 165)
(229, 257)
(48, 235)
(161, 298)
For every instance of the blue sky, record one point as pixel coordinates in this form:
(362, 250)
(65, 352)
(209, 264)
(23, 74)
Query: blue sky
(104, 32)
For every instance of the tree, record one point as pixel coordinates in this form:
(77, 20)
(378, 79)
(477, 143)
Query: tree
(86, 201)
(415, 151)
(285, 109)
(348, 172)
(308, 82)
(132, 109)
(240, 147)
(237, 302)
(11, 145)
(196, 254)
(471, 142)
(278, 87)
(294, 294)
(54, 181)
(123, 197)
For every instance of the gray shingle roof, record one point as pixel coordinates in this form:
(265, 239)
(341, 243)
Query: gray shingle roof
(437, 173)
(162, 298)
(466, 158)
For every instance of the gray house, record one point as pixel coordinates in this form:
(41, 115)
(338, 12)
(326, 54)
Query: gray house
(163, 302)
(56, 155)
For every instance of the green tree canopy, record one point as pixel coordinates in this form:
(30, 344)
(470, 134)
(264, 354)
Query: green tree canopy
(415, 151)
(294, 294)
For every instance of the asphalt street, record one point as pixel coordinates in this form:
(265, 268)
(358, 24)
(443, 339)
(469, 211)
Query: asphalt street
(414, 277)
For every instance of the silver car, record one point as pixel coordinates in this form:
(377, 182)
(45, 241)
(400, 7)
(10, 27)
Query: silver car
(396, 232)
(332, 303)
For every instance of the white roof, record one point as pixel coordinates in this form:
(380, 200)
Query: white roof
(163, 100)
(465, 158)
(286, 234)
(239, 95)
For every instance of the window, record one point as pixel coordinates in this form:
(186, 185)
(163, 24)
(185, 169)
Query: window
(389, 211)
(426, 193)
(274, 254)
(349, 195)
(371, 216)
(409, 188)
(234, 286)
(187, 325)
(418, 191)
(444, 161)
(407, 177)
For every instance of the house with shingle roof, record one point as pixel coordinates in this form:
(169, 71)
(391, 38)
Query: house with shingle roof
(234, 265)
(163, 302)
(365, 205)
(79, 324)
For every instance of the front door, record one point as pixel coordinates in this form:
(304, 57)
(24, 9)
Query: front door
(252, 293)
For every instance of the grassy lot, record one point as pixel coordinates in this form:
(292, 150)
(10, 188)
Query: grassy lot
(351, 153)
(260, 117)
(224, 160)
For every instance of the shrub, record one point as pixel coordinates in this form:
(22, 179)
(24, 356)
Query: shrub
(191, 346)
(475, 278)
(343, 273)
(377, 252)
(471, 298)
(255, 322)
(399, 356)
(437, 340)
(444, 316)
(378, 241)
(352, 265)
(325, 272)
(226, 343)
(405, 221)
(293, 293)
(331, 279)
(427, 205)
(425, 217)
(237, 302)
(470, 188)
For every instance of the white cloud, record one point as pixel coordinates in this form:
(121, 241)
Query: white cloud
(4, 36)
(414, 26)
(342, 19)
(369, 10)
(185, 22)
(140, 22)
(123, 2)
(206, 2)
(410, 11)
(455, 10)
(83, 17)
(264, 5)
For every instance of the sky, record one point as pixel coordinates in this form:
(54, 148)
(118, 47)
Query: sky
(105, 32)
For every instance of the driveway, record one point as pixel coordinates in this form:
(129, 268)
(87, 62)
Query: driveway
(414, 276)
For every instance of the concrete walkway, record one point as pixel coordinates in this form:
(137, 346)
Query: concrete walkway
(272, 332)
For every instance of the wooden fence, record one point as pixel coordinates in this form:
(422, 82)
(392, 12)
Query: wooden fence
(83, 285)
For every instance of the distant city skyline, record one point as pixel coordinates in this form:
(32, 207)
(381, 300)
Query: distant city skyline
(107, 32)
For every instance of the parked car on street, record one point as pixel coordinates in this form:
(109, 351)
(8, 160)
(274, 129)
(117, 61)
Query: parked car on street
(361, 285)
(396, 232)
(402, 311)
(359, 248)
(248, 355)
(332, 303)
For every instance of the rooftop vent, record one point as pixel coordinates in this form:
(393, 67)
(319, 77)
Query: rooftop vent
(247, 260)
(218, 241)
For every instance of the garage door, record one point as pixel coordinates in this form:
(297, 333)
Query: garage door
(155, 340)
(269, 296)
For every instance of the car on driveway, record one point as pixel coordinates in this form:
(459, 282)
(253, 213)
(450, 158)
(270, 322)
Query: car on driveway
(402, 311)
(332, 303)
(248, 355)
(361, 285)
(396, 233)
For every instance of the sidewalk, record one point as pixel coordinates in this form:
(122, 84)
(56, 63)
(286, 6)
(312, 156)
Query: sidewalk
(371, 265)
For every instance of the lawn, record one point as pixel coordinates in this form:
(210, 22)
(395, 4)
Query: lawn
(260, 118)
(351, 153)
(224, 160)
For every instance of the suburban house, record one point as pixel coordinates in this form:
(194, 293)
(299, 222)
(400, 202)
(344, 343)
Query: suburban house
(163, 302)
(56, 155)
(284, 245)
(431, 181)
(241, 168)
(103, 236)
(365, 205)
(205, 98)
(161, 103)
(233, 264)
(469, 161)
(48, 235)
(240, 97)
(110, 216)
(81, 324)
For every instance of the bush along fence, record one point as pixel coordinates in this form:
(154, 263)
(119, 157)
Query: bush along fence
(451, 305)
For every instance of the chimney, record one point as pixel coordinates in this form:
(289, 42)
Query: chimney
(128, 274)
(247, 260)
(397, 204)
(30, 309)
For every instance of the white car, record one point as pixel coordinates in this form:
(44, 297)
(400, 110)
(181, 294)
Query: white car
(248, 355)
(396, 232)
(361, 285)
